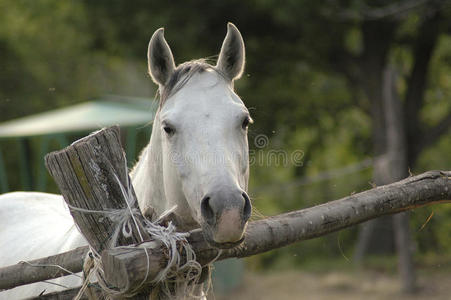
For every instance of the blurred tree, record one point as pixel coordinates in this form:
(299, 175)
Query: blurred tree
(398, 133)
(43, 55)
(397, 127)
(47, 61)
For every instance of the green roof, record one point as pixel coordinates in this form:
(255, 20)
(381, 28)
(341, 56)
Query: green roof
(86, 116)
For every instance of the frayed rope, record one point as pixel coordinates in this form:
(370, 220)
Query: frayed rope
(177, 278)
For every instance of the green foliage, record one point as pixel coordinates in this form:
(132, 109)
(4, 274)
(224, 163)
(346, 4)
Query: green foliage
(43, 44)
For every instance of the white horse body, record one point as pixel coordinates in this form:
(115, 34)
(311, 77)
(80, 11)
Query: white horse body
(197, 159)
(35, 225)
(42, 226)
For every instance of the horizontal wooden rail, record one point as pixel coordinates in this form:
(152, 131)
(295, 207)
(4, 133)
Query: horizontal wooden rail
(42, 269)
(270, 233)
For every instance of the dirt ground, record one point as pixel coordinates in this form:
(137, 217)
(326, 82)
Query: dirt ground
(337, 285)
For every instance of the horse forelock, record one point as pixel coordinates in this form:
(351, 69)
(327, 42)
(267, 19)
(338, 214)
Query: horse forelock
(182, 74)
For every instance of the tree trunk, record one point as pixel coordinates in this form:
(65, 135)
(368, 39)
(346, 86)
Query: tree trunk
(375, 236)
(396, 142)
(390, 166)
(395, 170)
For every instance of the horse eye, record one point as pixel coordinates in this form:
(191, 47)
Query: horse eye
(168, 130)
(246, 122)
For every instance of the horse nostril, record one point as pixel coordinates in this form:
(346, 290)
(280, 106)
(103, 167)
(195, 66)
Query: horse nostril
(247, 207)
(206, 210)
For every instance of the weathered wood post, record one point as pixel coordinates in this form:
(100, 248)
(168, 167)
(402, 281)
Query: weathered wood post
(89, 174)
(93, 178)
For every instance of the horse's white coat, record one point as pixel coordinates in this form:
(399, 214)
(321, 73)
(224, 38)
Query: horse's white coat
(35, 225)
(208, 154)
(208, 150)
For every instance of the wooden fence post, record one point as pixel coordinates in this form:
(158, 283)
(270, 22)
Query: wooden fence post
(92, 176)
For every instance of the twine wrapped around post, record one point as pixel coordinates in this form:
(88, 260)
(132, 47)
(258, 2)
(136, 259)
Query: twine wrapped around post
(89, 174)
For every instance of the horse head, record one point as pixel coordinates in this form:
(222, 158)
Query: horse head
(202, 127)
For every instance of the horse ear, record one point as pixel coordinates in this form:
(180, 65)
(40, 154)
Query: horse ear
(159, 57)
(231, 58)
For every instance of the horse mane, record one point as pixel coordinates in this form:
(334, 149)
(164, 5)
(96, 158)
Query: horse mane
(182, 74)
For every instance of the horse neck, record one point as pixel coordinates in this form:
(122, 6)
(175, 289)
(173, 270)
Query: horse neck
(148, 182)
(155, 194)
(147, 176)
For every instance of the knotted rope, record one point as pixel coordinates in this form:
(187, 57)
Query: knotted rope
(179, 275)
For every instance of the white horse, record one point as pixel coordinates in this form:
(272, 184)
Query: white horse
(197, 159)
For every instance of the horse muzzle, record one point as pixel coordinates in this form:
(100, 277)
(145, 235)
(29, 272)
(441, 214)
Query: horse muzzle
(225, 217)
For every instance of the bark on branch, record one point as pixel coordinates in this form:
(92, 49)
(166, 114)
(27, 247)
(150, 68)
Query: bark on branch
(42, 269)
(278, 231)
